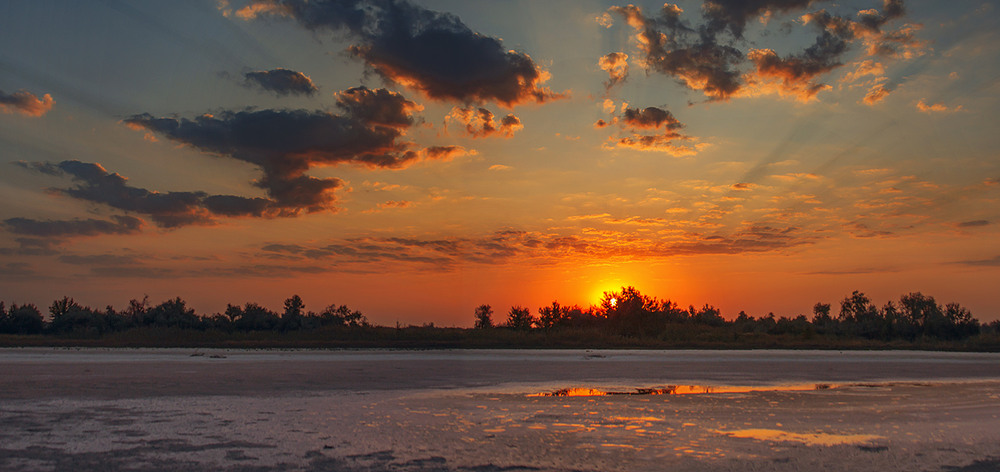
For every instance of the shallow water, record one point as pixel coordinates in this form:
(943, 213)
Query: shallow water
(183, 409)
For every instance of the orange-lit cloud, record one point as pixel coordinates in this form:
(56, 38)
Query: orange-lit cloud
(481, 123)
(616, 65)
(789, 77)
(707, 60)
(25, 103)
(865, 68)
(936, 107)
(877, 93)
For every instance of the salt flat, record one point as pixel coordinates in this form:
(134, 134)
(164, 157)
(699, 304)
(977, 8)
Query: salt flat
(184, 409)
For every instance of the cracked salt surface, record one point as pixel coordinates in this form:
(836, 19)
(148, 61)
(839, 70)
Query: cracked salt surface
(448, 411)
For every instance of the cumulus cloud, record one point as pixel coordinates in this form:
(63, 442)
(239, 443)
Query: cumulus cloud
(616, 65)
(433, 52)
(70, 228)
(877, 93)
(281, 82)
(25, 103)
(708, 58)
(285, 144)
(481, 123)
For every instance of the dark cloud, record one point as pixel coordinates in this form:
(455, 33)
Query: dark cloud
(994, 262)
(168, 209)
(973, 224)
(705, 60)
(71, 228)
(650, 118)
(733, 15)
(99, 260)
(379, 107)
(633, 120)
(285, 144)
(426, 50)
(32, 247)
(281, 82)
(25, 103)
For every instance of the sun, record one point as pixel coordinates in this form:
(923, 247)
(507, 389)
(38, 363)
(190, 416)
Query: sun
(613, 302)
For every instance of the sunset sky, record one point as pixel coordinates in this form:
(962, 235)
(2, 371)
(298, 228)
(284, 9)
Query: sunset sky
(416, 159)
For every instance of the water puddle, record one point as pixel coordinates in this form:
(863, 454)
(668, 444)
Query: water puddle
(682, 390)
(810, 439)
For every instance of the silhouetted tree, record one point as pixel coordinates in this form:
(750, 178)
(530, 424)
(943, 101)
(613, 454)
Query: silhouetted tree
(172, 313)
(342, 316)
(631, 313)
(484, 317)
(291, 319)
(520, 318)
(553, 315)
(24, 319)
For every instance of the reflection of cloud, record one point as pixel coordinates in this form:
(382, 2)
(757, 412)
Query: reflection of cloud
(422, 49)
(25, 103)
(481, 123)
(281, 82)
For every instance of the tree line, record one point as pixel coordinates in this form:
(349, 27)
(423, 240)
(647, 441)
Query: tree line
(630, 313)
(66, 316)
(623, 314)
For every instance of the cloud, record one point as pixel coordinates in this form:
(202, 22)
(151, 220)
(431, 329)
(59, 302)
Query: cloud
(281, 82)
(480, 122)
(733, 15)
(509, 245)
(168, 210)
(99, 260)
(994, 262)
(422, 49)
(708, 58)
(973, 224)
(877, 93)
(865, 68)
(616, 65)
(25, 103)
(69, 228)
(650, 119)
(379, 107)
(32, 247)
(936, 107)
(285, 144)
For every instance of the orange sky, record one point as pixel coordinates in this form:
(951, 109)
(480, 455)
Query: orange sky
(424, 158)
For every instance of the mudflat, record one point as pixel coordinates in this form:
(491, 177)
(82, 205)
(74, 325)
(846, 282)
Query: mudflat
(184, 409)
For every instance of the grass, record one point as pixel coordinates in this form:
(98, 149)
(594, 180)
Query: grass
(683, 337)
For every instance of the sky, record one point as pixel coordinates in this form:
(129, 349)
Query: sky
(415, 159)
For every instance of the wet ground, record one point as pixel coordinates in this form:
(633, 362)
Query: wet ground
(167, 410)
